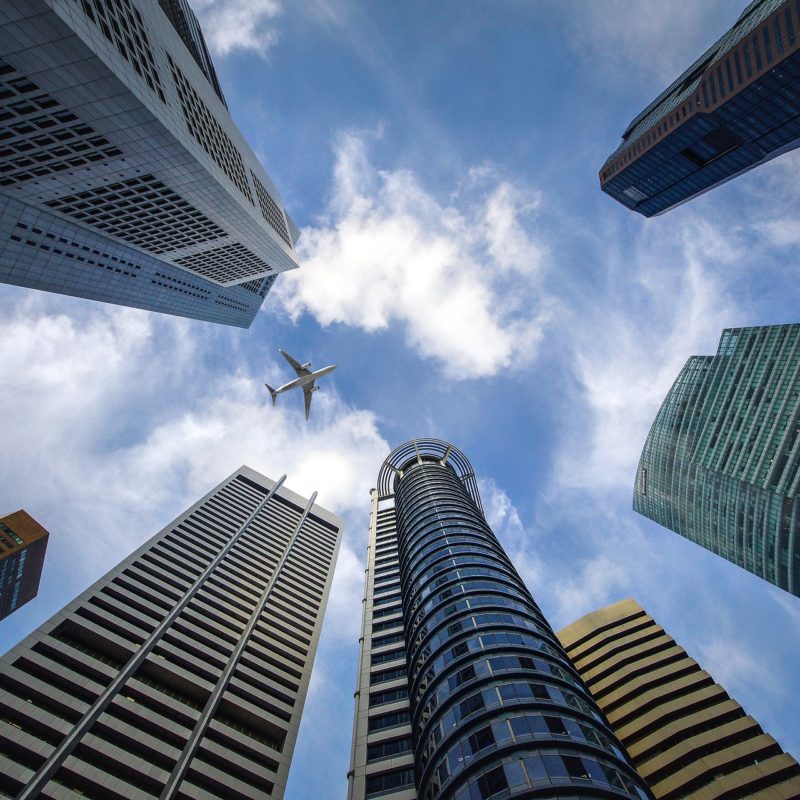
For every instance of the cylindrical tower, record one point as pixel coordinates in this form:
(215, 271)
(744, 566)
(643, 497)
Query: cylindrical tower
(497, 709)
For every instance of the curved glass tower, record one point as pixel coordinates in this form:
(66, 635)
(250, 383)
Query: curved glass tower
(721, 464)
(494, 707)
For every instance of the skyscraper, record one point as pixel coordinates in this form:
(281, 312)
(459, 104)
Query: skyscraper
(721, 464)
(23, 542)
(734, 108)
(181, 673)
(122, 175)
(464, 692)
(686, 736)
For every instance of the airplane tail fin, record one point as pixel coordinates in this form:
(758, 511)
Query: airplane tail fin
(272, 392)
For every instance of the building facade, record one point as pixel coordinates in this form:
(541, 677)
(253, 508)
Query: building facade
(464, 692)
(721, 464)
(23, 543)
(181, 673)
(123, 177)
(685, 735)
(734, 108)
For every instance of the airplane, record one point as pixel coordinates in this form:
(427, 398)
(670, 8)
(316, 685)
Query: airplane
(305, 379)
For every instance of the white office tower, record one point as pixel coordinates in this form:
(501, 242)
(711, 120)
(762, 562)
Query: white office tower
(123, 177)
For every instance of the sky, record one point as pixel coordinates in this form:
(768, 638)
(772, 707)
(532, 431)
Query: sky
(463, 269)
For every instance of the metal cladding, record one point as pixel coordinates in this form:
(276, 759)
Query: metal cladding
(123, 177)
(464, 691)
(183, 672)
(736, 107)
(685, 735)
(721, 464)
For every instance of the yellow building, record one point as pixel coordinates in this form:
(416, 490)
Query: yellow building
(685, 735)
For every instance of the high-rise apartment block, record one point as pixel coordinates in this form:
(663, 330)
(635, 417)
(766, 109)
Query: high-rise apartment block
(734, 108)
(123, 177)
(464, 691)
(23, 542)
(181, 674)
(685, 735)
(721, 464)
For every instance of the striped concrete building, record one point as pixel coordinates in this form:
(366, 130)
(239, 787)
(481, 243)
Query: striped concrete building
(684, 734)
(182, 673)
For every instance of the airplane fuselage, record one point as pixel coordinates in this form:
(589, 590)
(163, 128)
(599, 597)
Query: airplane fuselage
(305, 380)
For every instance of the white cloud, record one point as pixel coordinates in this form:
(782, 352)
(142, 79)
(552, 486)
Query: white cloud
(463, 280)
(344, 606)
(593, 584)
(238, 24)
(110, 454)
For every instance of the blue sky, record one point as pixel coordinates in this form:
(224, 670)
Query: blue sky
(465, 272)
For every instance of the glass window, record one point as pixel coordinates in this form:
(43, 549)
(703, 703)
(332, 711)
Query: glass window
(471, 705)
(554, 765)
(480, 739)
(595, 770)
(507, 692)
(520, 726)
(539, 691)
(575, 767)
(500, 731)
(515, 775)
(492, 782)
(556, 725)
(535, 768)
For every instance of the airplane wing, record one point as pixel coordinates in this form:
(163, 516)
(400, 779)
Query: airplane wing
(296, 365)
(307, 392)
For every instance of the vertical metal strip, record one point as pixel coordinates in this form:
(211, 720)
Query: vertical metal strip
(34, 787)
(182, 764)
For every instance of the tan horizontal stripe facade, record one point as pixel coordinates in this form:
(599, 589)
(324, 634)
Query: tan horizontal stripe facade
(687, 738)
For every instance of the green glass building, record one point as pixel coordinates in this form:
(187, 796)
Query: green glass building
(721, 464)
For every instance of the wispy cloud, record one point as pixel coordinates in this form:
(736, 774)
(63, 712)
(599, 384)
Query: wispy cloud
(239, 24)
(733, 665)
(654, 41)
(629, 347)
(463, 277)
(504, 519)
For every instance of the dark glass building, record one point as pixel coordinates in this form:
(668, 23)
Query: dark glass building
(721, 464)
(123, 177)
(734, 108)
(686, 736)
(464, 691)
(23, 543)
(182, 673)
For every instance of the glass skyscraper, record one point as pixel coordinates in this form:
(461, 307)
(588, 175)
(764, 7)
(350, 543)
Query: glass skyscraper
(686, 736)
(123, 177)
(721, 464)
(734, 108)
(464, 691)
(182, 673)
